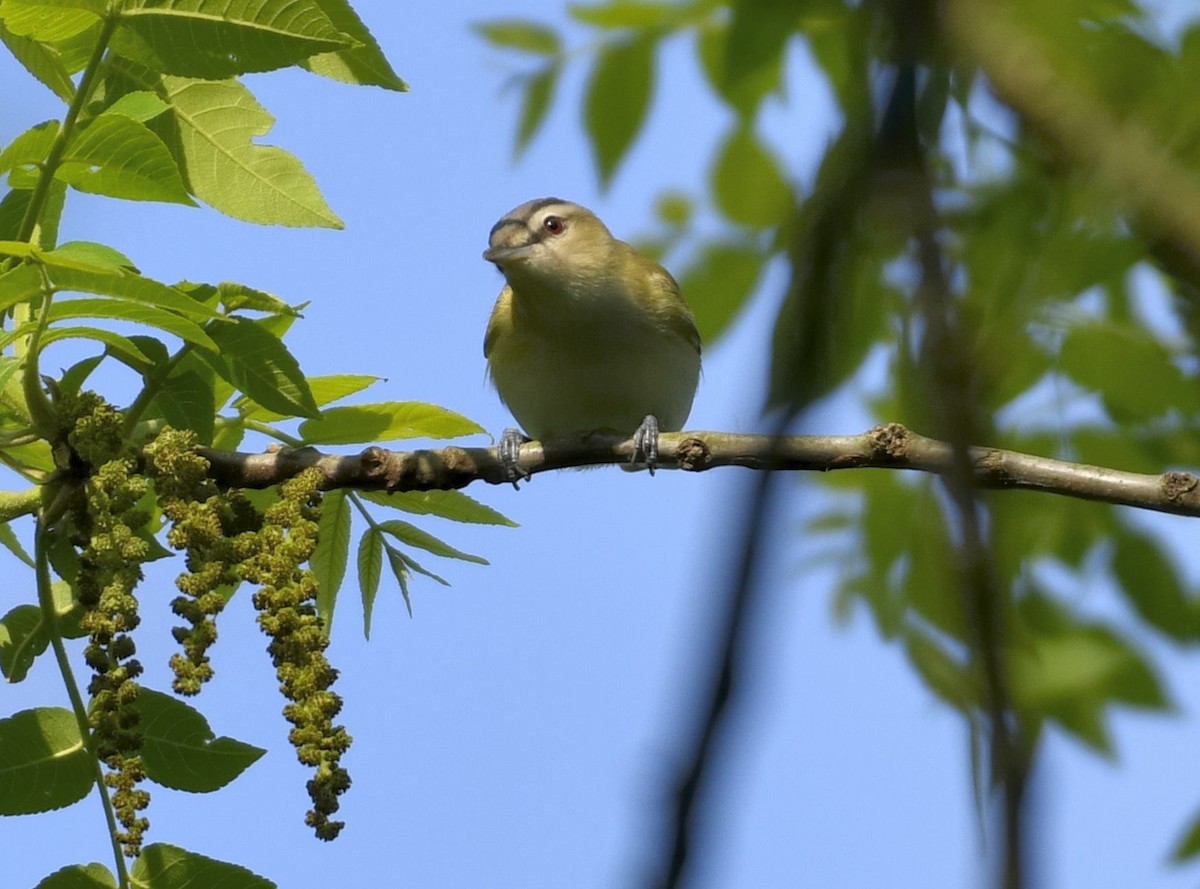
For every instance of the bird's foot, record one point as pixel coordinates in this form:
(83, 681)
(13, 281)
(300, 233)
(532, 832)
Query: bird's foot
(510, 455)
(645, 444)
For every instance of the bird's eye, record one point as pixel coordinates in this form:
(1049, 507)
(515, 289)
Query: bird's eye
(554, 224)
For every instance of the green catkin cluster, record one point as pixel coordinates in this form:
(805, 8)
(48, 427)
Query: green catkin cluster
(206, 524)
(286, 603)
(109, 570)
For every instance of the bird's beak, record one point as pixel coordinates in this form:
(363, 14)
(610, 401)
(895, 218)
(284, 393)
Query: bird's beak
(500, 255)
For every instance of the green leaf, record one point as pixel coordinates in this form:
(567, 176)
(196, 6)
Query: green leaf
(68, 275)
(41, 60)
(453, 505)
(535, 102)
(414, 536)
(1131, 370)
(8, 539)
(719, 283)
(216, 123)
(120, 347)
(385, 421)
(30, 18)
(1188, 846)
(20, 284)
(186, 400)
(328, 561)
(1152, 585)
(89, 256)
(23, 637)
(217, 39)
(748, 184)
(617, 99)
(624, 14)
(44, 764)
(325, 390)
(370, 565)
(180, 750)
(31, 147)
(364, 64)
(161, 866)
(115, 155)
(140, 105)
(399, 566)
(120, 310)
(259, 365)
(745, 88)
(754, 49)
(525, 35)
(940, 671)
(234, 296)
(80, 876)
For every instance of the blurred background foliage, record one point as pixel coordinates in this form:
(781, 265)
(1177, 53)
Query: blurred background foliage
(1043, 161)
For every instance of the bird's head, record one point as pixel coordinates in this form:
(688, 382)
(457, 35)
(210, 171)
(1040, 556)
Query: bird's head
(548, 240)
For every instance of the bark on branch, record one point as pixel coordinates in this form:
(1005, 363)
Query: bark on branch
(882, 447)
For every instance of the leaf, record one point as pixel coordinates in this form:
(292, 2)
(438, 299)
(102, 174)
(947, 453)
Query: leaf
(41, 60)
(414, 536)
(745, 89)
(325, 390)
(234, 296)
(1152, 585)
(216, 39)
(525, 35)
(120, 310)
(161, 866)
(186, 400)
(259, 365)
(1131, 370)
(364, 64)
(70, 275)
(29, 148)
(1188, 846)
(623, 14)
(216, 123)
(180, 750)
(117, 156)
(120, 347)
(90, 257)
(617, 99)
(44, 764)
(385, 421)
(140, 105)
(748, 184)
(453, 505)
(23, 637)
(535, 102)
(370, 565)
(80, 876)
(29, 18)
(753, 54)
(719, 283)
(8, 539)
(328, 561)
(399, 566)
(19, 284)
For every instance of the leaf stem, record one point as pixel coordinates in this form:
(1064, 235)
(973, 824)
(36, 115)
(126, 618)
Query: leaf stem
(54, 156)
(50, 618)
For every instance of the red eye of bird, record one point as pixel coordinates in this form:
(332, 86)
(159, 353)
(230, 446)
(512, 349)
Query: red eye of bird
(554, 224)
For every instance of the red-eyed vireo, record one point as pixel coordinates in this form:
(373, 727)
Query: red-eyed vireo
(588, 334)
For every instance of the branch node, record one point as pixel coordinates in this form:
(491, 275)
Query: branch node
(1177, 485)
(892, 440)
(693, 454)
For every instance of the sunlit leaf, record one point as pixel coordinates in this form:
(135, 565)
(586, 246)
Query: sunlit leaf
(521, 34)
(168, 867)
(386, 421)
(329, 559)
(180, 750)
(44, 764)
(748, 184)
(617, 100)
(363, 64)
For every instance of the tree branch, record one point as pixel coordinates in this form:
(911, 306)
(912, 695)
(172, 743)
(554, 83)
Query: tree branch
(882, 447)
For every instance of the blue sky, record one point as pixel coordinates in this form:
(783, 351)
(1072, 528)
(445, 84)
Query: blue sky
(518, 730)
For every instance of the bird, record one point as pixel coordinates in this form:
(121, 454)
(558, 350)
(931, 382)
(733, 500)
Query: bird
(587, 334)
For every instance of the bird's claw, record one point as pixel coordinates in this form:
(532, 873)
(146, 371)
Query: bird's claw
(645, 444)
(510, 455)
